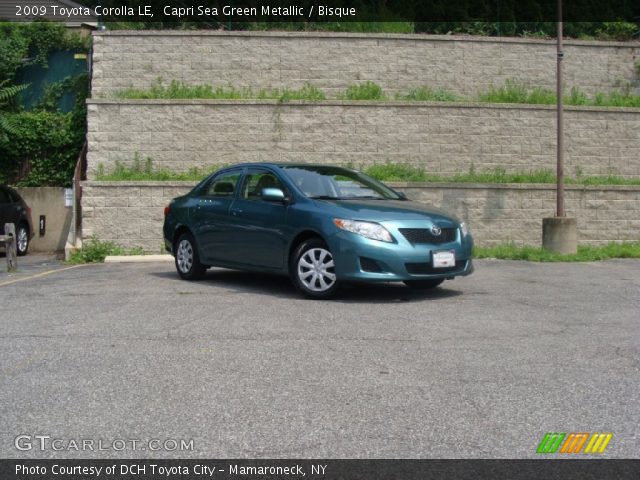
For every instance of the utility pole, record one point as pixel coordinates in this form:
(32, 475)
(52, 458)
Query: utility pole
(560, 124)
(560, 233)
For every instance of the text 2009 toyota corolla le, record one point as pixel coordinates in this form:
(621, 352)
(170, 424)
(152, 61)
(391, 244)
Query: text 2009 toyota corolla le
(322, 225)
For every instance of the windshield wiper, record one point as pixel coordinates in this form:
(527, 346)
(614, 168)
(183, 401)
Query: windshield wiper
(325, 197)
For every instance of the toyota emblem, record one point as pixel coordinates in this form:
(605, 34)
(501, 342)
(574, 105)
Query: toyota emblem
(436, 230)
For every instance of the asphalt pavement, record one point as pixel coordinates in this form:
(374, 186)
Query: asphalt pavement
(239, 366)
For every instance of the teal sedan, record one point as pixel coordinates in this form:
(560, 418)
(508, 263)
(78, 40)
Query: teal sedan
(321, 225)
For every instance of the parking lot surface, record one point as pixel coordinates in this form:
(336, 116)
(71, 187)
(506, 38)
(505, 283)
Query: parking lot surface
(240, 364)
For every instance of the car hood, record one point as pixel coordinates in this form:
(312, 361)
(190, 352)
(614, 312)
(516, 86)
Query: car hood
(388, 210)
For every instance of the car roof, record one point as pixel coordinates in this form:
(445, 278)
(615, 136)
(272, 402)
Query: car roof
(280, 165)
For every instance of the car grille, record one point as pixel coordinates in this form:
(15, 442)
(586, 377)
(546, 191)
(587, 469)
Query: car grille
(417, 236)
(427, 268)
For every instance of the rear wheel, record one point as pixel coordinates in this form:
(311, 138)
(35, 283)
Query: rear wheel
(313, 270)
(187, 259)
(424, 284)
(22, 239)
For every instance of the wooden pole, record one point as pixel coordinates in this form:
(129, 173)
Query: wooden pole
(10, 246)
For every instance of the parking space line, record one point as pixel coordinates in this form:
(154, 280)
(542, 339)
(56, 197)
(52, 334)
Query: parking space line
(41, 274)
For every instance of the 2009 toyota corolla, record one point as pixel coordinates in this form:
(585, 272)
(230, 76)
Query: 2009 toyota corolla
(321, 225)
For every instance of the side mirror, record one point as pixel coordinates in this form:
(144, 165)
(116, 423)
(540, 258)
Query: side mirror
(402, 195)
(273, 195)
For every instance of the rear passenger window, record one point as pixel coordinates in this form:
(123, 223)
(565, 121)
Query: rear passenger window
(4, 197)
(223, 185)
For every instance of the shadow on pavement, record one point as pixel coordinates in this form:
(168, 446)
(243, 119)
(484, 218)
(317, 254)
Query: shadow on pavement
(280, 286)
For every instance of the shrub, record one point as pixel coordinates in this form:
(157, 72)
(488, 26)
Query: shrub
(95, 251)
(364, 91)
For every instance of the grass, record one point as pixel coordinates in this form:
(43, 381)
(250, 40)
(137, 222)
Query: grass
(363, 91)
(428, 94)
(95, 251)
(403, 172)
(180, 90)
(510, 92)
(514, 92)
(146, 172)
(141, 170)
(586, 253)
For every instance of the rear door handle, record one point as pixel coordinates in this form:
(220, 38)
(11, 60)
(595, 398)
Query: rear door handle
(236, 211)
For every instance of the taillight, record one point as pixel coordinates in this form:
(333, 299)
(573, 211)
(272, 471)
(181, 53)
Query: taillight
(166, 210)
(29, 210)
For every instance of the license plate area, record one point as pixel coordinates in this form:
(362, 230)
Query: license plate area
(443, 259)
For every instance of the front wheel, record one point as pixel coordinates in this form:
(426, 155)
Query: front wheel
(187, 259)
(22, 240)
(313, 270)
(424, 284)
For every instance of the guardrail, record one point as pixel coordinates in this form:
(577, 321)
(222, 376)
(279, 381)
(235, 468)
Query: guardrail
(9, 240)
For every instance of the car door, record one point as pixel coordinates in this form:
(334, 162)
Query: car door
(209, 217)
(259, 228)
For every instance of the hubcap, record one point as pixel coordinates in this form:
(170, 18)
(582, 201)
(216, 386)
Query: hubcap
(184, 256)
(316, 270)
(22, 240)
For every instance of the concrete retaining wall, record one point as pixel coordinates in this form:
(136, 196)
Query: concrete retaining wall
(332, 61)
(48, 201)
(131, 213)
(444, 138)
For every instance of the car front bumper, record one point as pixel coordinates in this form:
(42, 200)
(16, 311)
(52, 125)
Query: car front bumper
(360, 259)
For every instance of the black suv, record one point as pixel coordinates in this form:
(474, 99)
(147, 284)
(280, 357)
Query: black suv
(13, 209)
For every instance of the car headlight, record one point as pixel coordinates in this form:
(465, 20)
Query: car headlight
(464, 229)
(371, 230)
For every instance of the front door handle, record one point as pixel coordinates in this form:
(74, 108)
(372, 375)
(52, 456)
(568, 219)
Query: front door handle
(236, 211)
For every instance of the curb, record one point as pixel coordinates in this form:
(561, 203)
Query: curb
(138, 258)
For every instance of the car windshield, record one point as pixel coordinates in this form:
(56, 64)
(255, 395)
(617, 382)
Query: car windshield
(335, 183)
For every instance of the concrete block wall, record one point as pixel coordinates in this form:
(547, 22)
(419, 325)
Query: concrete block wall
(131, 213)
(445, 138)
(48, 201)
(332, 61)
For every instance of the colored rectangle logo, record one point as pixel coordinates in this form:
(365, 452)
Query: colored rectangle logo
(573, 443)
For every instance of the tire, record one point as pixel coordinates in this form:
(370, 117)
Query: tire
(313, 270)
(424, 284)
(22, 240)
(186, 258)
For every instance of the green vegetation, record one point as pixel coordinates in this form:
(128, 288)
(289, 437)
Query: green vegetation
(144, 171)
(510, 92)
(585, 30)
(514, 92)
(391, 172)
(179, 90)
(586, 253)
(403, 172)
(95, 251)
(363, 91)
(39, 147)
(428, 94)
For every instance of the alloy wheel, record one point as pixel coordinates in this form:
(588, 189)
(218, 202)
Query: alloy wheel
(22, 240)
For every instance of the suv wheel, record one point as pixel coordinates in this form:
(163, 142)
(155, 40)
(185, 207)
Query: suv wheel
(22, 239)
